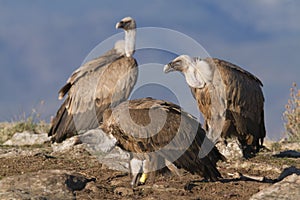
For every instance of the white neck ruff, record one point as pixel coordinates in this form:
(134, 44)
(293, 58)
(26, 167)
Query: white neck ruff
(130, 42)
(199, 73)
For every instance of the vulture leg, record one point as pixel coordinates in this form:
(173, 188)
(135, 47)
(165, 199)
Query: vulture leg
(150, 166)
(135, 168)
(146, 169)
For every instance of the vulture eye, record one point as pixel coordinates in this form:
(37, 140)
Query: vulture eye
(177, 63)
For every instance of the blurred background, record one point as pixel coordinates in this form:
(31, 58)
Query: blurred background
(43, 42)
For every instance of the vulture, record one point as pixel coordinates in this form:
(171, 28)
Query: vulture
(158, 133)
(229, 97)
(97, 85)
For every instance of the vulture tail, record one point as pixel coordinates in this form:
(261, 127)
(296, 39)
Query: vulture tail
(62, 125)
(203, 166)
(215, 156)
(212, 174)
(210, 164)
(207, 169)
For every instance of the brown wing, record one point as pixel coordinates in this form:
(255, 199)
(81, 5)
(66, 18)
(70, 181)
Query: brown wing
(158, 127)
(99, 85)
(243, 97)
(89, 67)
(245, 102)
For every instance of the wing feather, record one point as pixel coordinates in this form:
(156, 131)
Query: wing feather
(178, 137)
(243, 102)
(97, 85)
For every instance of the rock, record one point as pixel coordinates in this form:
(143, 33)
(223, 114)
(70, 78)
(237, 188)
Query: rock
(44, 184)
(97, 140)
(94, 140)
(104, 148)
(288, 188)
(27, 138)
(231, 150)
(97, 143)
(117, 159)
(66, 145)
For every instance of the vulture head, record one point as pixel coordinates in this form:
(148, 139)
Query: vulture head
(129, 26)
(181, 64)
(126, 23)
(197, 72)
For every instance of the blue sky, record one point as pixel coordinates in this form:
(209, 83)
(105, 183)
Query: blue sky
(42, 42)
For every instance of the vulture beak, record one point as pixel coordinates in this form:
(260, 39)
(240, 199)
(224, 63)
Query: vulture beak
(120, 25)
(168, 68)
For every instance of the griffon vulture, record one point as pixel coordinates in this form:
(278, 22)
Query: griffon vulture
(98, 84)
(230, 99)
(152, 129)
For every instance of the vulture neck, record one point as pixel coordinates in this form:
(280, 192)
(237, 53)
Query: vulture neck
(198, 74)
(130, 42)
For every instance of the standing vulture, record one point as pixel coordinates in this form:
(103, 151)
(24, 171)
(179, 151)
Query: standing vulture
(230, 99)
(151, 129)
(98, 84)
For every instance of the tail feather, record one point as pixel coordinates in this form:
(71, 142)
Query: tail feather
(216, 156)
(205, 166)
(66, 125)
(211, 172)
(62, 125)
(209, 163)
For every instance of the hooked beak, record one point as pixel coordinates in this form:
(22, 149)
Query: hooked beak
(168, 68)
(118, 25)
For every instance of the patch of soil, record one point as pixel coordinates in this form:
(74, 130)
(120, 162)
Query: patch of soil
(110, 184)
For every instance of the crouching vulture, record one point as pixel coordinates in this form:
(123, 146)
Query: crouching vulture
(158, 134)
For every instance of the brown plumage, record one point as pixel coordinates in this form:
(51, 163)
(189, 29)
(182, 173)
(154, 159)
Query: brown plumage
(230, 99)
(98, 84)
(150, 129)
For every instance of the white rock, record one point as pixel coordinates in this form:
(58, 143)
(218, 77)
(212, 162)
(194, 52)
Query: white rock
(104, 148)
(27, 138)
(100, 145)
(232, 150)
(66, 144)
(97, 140)
(288, 188)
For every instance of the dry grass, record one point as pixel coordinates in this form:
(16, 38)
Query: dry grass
(291, 115)
(31, 123)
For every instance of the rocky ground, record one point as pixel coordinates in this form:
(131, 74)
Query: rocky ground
(45, 171)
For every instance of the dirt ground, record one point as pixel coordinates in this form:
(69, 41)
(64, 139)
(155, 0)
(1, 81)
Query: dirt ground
(111, 184)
